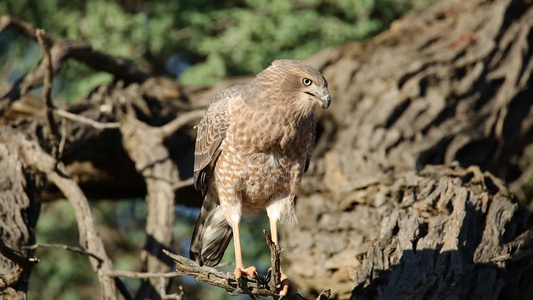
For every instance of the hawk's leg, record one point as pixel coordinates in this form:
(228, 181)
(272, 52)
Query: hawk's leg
(239, 266)
(274, 230)
(287, 287)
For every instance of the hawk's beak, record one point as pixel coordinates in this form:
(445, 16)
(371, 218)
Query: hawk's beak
(325, 101)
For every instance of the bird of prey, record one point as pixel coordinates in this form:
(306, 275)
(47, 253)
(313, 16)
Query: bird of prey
(253, 146)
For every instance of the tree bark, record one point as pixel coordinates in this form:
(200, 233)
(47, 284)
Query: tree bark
(451, 86)
(19, 208)
(399, 201)
(425, 235)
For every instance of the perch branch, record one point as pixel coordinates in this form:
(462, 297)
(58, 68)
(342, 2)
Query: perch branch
(227, 281)
(215, 277)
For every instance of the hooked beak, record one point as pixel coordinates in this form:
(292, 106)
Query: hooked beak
(325, 101)
(321, 97)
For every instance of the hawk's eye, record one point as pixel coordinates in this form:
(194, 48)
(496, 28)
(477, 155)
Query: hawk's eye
(307, 81)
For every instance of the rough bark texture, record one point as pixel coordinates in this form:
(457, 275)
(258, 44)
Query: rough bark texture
(19, 208)
(398, 202)
(450, 84)
(444, 232)
(18, 223)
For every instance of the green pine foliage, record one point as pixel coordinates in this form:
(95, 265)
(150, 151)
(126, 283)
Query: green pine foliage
(210, 39)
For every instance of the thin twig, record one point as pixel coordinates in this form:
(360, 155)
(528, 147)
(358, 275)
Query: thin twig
(183, 183)
(75, 249)
(79, 50)
(142, 275)
(84, 120)
(17, 257)
(47, 93)
(184, 119)
(64, 135)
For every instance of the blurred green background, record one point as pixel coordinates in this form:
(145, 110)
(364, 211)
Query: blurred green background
(199, 43)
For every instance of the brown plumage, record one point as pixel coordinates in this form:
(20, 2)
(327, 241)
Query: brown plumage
(252, 148)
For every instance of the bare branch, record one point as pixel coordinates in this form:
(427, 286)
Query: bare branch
(66, 247)
(183, 183)
(47, 93)
(63, 140)
(227, 281)
(22, 27)
(181, 121)
(143, 275)
(62, 49)
(214, 277)
(89, 238)
(84, 120)
(16, 257)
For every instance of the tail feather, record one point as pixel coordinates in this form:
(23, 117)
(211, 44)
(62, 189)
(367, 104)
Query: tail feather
(212, 233)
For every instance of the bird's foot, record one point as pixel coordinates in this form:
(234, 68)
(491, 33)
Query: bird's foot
(251, 271)
(248, 272)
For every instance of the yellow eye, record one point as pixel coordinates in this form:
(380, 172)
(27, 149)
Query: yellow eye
(307, 81)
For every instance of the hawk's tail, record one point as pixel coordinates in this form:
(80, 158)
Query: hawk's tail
(212, 233)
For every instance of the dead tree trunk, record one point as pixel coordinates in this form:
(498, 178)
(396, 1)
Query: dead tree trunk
(449, 86)
(19, 208)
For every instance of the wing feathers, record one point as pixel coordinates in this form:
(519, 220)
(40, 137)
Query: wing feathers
(212, 233)
(212, 132)
(210, 135)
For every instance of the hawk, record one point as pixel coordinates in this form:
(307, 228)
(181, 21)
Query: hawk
(253, 146)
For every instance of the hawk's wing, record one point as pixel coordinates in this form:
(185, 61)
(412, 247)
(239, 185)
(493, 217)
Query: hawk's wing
(210, 135)
(212, 233)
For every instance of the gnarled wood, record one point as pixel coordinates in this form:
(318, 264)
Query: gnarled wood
(19, 208)
(447, 86)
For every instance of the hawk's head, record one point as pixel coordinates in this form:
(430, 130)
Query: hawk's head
(296, 80)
